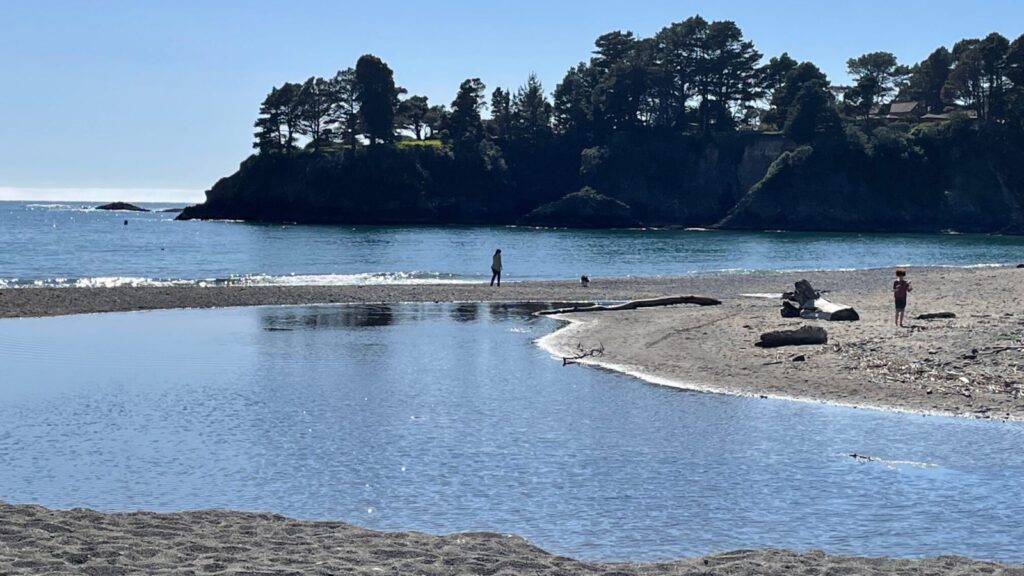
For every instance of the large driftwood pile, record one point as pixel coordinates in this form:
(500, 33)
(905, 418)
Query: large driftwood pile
(632, 305)
(806, 302)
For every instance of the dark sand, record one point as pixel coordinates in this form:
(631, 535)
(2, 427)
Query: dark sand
(35, 540)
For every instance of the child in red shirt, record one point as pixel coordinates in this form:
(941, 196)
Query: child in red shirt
(900, 289)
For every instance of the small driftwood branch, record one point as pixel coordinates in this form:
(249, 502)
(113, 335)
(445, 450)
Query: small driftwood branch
(583, 353)
(997, 349)
(633, 305)
(936, 315)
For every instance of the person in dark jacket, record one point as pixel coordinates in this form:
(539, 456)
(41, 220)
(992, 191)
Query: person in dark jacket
(496, 267)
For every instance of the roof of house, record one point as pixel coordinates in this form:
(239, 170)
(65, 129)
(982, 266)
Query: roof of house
(902, 107)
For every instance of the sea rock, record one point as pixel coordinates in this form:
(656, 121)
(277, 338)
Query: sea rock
(805, 335)
(583, 209)
(173, 210)
(122, 206)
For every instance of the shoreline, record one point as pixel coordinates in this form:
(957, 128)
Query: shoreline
(970, 366)
(38, 540)
(550, 343)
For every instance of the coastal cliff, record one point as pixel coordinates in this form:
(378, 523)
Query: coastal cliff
(690, 127)
(942, 179)
(934, 179)
(674, 180)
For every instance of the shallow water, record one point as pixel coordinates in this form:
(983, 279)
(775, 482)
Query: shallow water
(446, 418)
(67, 244)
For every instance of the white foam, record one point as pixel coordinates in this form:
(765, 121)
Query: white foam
(360, 279)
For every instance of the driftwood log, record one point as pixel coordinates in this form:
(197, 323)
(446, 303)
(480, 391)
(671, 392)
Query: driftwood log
(810, 305)
(935, 315)
(633, 305)
(800, 337)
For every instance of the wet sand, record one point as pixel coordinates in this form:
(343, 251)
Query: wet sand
(36, 540)
(15, 302)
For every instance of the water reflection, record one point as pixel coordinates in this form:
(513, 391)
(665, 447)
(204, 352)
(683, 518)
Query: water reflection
(467, 312)
(345, 316)
(445, 418)
(326, 318)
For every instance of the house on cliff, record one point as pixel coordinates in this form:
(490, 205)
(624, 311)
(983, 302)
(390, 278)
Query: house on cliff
(907, 110)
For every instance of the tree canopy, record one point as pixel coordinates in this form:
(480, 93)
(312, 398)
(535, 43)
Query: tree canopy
(877, 75)
(378, 98)
(693, 76)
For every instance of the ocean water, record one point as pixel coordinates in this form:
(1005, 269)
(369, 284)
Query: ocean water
(70, 244)
(445, 418)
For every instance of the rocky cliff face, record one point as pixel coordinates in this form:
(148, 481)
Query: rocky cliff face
(681, 180)
(676, 180)
(751, 181)
(812, 188)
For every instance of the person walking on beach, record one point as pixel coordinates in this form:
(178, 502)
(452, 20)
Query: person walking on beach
(900, 289)
(496, 267)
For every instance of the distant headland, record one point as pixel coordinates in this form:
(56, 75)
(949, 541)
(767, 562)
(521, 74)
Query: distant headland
(689, 127)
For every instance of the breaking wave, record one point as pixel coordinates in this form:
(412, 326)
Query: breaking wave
(368, 279)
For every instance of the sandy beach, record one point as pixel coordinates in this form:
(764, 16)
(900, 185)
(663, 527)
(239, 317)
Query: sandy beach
(971, 365)
(36, 540)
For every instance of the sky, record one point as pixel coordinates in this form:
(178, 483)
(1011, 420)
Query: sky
(155, 99)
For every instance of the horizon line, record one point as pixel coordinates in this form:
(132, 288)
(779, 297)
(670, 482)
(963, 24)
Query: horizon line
(100, 194)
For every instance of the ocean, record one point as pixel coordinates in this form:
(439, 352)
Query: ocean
(70, 244)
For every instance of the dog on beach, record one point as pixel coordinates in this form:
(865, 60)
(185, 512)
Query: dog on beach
(584, 281)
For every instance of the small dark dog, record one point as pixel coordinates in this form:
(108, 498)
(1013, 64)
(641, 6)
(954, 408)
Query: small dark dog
(584, 281)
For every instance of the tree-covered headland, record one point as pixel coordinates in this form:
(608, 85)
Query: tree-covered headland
(691, 127)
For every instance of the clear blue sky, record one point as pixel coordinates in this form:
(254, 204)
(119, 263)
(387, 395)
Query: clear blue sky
(162, 94)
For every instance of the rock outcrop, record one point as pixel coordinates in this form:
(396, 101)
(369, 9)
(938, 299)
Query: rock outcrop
(583, 209)
(122, 206)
